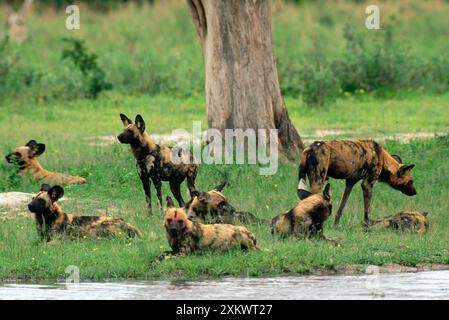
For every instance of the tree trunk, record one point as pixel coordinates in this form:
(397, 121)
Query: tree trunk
(242, 87)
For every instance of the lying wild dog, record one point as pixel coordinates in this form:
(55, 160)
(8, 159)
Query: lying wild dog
(212, 206)
(405, 220)
(186, 236)
(155, 162)
(51, 220)
(307, 217)
(353, 160)
(25, 158)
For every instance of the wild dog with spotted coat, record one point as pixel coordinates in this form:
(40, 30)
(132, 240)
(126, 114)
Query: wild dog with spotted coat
(186, 236)
(353, 160)
(213, 206)
(25, 158)
(51, 220)
(405, 220)
(155, 162)
(307, 217)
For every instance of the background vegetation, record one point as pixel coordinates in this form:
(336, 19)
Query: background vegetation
(151, 48)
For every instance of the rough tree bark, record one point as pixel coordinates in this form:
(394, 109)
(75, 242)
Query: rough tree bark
(242, 86)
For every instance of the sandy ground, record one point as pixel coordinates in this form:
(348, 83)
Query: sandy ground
(183, 138)
(13, 204)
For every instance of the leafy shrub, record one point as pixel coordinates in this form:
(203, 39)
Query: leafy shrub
(94, 76)
(319, 85)
(7, 59)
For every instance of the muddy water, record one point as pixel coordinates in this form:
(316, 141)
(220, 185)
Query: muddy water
(419, 285)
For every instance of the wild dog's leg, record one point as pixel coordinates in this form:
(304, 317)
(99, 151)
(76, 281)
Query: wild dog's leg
(191, 176)
(147, 189)
(175, 187)
(158, 185)
(367, 187)
(349, 185)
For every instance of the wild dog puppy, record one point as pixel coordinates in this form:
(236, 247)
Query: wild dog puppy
(25, 158)
(51, 220)
(405, 220)
(213, 206)
(353, 160)
(155, 162)
(307, 217)
(186, 236)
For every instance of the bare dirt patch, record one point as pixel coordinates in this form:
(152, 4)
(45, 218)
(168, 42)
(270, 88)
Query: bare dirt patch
(171, 139)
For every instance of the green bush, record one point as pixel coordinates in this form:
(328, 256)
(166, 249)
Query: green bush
(319, 85)
(93, 75)
(7, 59)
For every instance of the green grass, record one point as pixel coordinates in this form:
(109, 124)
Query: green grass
(113, 186)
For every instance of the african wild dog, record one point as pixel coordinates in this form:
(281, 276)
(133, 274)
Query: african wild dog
(186, 236)
(307, 217)
(213, 206)
(51, 220)
(155, 162)
(405, 220)
(25, 158)
(353, 160)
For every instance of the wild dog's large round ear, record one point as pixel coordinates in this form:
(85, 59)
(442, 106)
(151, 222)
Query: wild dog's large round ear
(45, 187)
(31, 143)
(126, 121)
(40, 149)
(140, 123)
(36, 149)
(425, 213)
(405, 169)
(56, 193)
(327, 192)
(397, 158)
(169, 202)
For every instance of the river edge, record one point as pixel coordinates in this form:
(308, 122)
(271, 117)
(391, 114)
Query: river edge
(340, 270)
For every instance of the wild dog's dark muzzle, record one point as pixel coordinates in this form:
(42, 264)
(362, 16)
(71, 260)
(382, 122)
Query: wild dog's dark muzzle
(13, 158)
(173, 232)
(125, 137)
(410, 191)
(9, 157)
(37, 206)
(32, 206)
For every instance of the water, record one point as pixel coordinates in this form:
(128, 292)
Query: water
(420, 285)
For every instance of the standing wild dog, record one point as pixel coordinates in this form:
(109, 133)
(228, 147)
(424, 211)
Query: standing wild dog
(51, 220)
(155, 162)
(186, 236)
(353, 160)
(405, 220)
(307, 217)
(25, 158)
(214, 206)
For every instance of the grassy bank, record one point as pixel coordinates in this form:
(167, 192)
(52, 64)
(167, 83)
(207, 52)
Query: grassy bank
(114, 187)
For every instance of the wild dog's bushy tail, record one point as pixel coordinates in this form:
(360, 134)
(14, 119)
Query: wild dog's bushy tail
(131, 231)
(221, 186)
(248, 217)
(302, 186)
